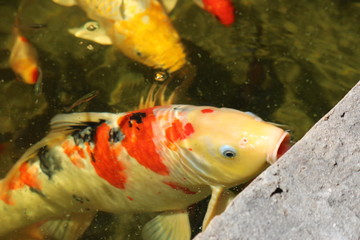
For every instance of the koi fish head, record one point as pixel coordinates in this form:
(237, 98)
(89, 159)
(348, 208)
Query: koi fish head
(230, 147)
(149, 38)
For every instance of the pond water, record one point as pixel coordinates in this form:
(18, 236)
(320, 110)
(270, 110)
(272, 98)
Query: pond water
(288, 62)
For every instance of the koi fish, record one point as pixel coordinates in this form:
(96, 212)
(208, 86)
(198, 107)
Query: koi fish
(139, 29)
(221, 9)
(24, 59)
(156, 160)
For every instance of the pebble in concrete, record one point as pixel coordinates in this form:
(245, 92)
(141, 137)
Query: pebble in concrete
(312, 192)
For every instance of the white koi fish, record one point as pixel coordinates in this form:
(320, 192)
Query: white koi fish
(140, 29)
(157, 160)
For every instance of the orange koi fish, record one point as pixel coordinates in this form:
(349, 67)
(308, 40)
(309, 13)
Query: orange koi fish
(24, 59)
(140, 29)
(221, 9)
(156, 160)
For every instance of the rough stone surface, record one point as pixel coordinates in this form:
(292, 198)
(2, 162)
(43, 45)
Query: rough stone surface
(312, 192)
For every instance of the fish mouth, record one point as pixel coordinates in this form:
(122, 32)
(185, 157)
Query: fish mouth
(282, 146)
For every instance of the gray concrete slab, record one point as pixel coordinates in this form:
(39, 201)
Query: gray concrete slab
(312, 192)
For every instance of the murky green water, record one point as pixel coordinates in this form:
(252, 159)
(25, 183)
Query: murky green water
(286, 61)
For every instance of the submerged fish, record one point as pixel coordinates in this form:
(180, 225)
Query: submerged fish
(157, 160)
(141, 29)
(83, 99)
(223, 10)
(24, 59)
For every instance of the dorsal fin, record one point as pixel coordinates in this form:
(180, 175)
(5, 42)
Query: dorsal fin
(66, 123)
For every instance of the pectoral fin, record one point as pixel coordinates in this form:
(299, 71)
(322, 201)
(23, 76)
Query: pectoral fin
(67, 3)
(199, 3)
(220, 199)
(168, 225)
(70, 227)
(169, 5)
(92, 31)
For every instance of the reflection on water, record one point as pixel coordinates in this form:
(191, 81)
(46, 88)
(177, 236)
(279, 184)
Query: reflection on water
(288, 62)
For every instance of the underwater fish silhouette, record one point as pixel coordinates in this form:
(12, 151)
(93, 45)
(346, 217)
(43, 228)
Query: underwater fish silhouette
(24, 58)
(156, 160)
(140, 29)
(223, 10)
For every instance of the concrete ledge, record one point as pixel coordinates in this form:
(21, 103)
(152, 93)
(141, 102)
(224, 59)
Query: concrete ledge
(312, 192)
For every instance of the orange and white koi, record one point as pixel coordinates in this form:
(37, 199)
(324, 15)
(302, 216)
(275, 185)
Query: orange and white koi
(24, 59)
(140, 29)
(156, 160)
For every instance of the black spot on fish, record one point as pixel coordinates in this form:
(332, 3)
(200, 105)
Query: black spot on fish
(37, 191)
(48, 163)
(85, 132)
(138, 116)
(115, 135)
(80, 199)
(92, 157)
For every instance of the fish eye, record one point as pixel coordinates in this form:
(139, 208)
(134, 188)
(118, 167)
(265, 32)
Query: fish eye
(91, 26)
(138, 53)
(228, 151)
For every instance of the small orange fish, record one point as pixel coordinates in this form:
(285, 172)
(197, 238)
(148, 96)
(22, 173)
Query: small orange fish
(24, 59)
(156, 160)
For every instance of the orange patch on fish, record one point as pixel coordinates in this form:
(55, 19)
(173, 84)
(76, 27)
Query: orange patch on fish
(138, 141)
(222, 9)
(27, 176)
(207, 110)
(177, 131)
(147, 29)
(75, 153)
(176, 186)
(35, 73)
(23, 39)
(105, 159)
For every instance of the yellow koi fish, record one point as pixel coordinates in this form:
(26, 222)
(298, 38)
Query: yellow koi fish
(140, 29)
(156, 160)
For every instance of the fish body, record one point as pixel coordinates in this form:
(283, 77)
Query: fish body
(24, 59)
(221, 9)
(141, 29)
(160, 159)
